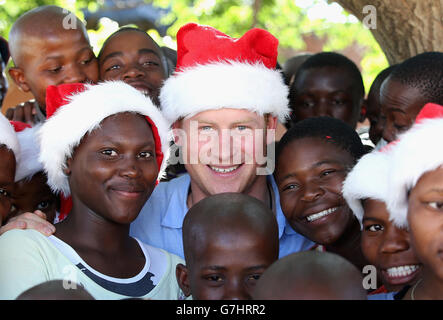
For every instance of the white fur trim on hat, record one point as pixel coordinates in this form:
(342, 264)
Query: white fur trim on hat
(62, 132)
(237, 85)
(368, 179)
(29, 163)
(419, 150)
(8, 136)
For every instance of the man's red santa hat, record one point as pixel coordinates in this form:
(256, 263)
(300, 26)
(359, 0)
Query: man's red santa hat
(8, 136)
(74, 110)
(417, 151)
(216, 71)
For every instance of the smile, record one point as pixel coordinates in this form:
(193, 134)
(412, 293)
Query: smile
(402, 271)
(320, 214)
(224, 170)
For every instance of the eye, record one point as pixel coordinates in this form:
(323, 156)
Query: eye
(374, 228)
(86, 61)
(400, 128)
(254, 277)
(109, 152)
(55, 70)
(150, 64)
(205, 128)
(4, 193)
(327, 172)
(43, 205)
(307, 104)
(436, 205)
(113, 67)
(13, 209)
(145, 154)
(338, 101)
(214, 278)
(291, 186)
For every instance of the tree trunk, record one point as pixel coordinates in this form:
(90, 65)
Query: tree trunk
(404, 28)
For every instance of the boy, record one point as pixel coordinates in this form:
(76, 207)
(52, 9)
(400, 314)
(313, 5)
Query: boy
(9, 153)
(328, 84)
(386, 246)
(416, 198)
(108, 162)
(31, 191)
(413, 83)
(310, 275)
(373, 109)
(54, 290)
(229, 239)
(132, 56)
(64, 55)
(4, 58)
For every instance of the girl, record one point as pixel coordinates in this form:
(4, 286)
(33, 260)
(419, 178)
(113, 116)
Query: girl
(104, 148)
(313, 158)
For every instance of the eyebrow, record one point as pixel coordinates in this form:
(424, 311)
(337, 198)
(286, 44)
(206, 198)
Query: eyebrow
(397, 110)
(61, 56)
(316, 165)
(371, 219)
(215, 268)
(120, 53)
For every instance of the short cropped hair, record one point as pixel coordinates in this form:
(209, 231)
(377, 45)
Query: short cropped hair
(423, 72)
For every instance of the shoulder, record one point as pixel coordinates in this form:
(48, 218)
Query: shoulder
(18, 236)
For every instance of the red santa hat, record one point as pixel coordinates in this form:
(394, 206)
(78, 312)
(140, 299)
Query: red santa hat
(368, 179)
(8, 136)
(74, 110)
(216, 71)
(29, 163)
(416, 152)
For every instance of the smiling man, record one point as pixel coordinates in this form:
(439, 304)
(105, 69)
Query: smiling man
(225, 100)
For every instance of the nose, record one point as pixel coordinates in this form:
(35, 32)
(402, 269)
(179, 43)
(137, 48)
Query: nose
(129, 168)
(312, 192)
(389, 133)
(74, 74)
(133, 72)
(395, 240)
(322, 108)
(235, 290)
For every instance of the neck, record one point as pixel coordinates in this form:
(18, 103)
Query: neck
(84, 229)
(349, 244)
(259, 189)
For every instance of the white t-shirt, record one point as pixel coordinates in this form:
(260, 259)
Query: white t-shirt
(28, 258)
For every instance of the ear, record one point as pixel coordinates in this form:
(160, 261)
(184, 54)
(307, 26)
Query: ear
(363, 110)
(18, 76)
(181, 273)
(67, 168)
(178, 133)
(271, 122)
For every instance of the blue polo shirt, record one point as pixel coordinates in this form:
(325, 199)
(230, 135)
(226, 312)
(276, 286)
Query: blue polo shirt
(160, 221)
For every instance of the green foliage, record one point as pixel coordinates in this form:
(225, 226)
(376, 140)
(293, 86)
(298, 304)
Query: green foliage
(283, 18)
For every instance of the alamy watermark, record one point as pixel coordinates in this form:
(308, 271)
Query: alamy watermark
(370, 19)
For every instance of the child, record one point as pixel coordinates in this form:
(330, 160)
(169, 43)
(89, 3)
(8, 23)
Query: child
(312, 160)
(328, 84)
(132, 56)
(108, 162)
(413, 83)
(229, 239)
(416, 198)
(9, 148)
(55, 290)
(310, 275)
(373, 110)
(64, 54)
(4, 58)
(31, 191)
(384, 245)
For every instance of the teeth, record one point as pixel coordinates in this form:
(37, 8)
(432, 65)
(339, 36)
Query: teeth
(323, 213)
(402, 271)
(223, 170)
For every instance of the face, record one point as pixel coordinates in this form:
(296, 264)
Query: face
(309, 174)
(325, 91)
(7, 173)
(425, 218)
(222, 150)
(374, 114)
(387, 247)
(133, 57)
(32, 195)
(3, 82)
(113, 171)
(65, 57)
(228, 264)
(401, 105)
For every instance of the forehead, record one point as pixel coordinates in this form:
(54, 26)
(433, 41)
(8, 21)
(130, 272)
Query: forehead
(130, 40)
(397, 96)
(227, 116)
(327, 78)
(375, 209)
(431, 181)
(305, 153)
